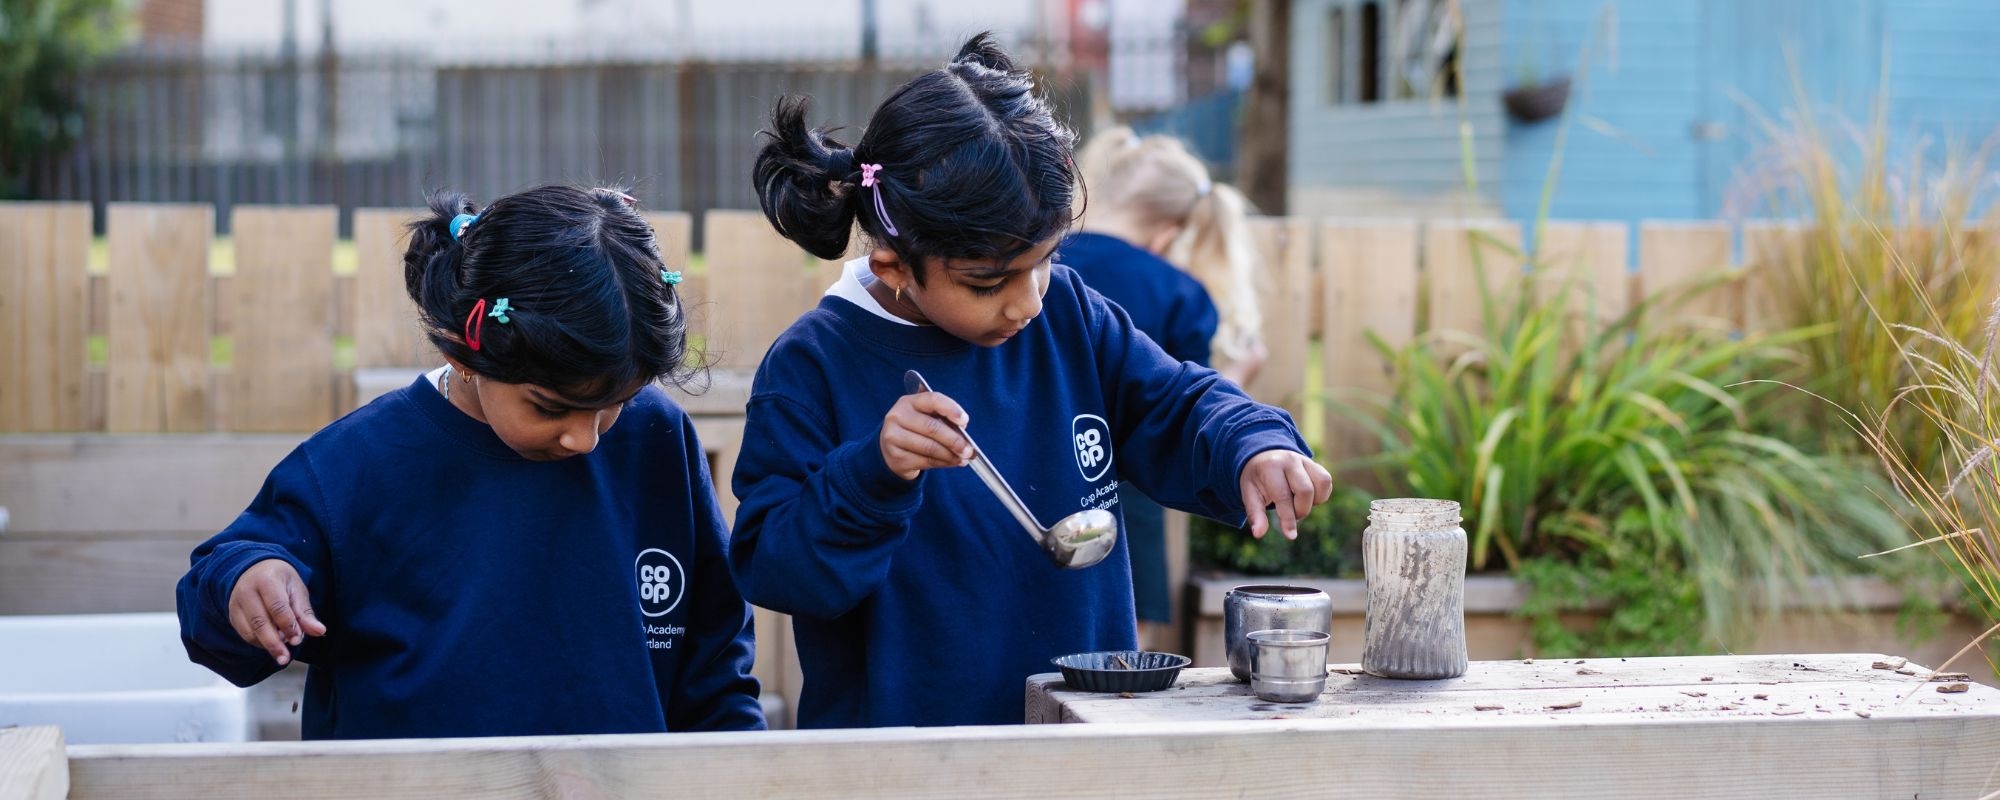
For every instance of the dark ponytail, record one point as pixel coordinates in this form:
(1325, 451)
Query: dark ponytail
(589, 311)
(802, 181)
(972, 166)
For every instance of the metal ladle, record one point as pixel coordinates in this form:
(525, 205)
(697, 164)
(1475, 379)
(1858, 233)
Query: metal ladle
(1077, 541)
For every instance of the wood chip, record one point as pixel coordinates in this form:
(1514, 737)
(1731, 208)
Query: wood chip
(1706, 678)
(1862, 713)
(1578, 661)
(1727, 708)
(1949, 676)
(1566, 706)
(1695, 694)
(1587, 671)
(1761, 696)
(1487, 708)
(1127, 695)
(1894, 663)
(1527, 661)
(1906, 671)
(295, 706)
(1954, 688)
(1786, 712)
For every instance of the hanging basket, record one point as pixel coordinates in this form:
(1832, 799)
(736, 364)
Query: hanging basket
(1537, 102)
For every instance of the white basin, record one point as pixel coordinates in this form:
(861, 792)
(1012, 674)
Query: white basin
(113, 679)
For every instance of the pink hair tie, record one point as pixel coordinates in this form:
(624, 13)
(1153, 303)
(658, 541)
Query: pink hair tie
(869, 181)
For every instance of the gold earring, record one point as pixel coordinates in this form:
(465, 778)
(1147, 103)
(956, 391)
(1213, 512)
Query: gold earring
(899, 294)
(465, 376)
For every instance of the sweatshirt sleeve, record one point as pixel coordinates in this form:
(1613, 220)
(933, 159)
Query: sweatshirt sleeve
(1181, 432)
(1191, 326)
(283, 522)
(715, 690)
(819, 520)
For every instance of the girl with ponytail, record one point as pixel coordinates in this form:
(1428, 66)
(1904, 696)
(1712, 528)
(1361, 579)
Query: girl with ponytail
(482, 553)
(916, 598)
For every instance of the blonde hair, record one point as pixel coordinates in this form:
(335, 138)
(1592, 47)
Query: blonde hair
(1156, 180)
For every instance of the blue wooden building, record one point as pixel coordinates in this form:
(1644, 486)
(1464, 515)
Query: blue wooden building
(1666, 110)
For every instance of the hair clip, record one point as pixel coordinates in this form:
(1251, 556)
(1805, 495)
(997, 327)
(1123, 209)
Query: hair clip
(474, 323)
(500, 309)
(459, 223)
(869, 181)
(670, 277)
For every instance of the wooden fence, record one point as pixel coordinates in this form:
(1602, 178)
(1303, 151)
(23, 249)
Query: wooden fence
(166, 330)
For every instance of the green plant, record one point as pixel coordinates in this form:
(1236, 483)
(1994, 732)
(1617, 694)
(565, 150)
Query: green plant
(1329, 541)
(1888, 236)
(1617, 447)
(1954, 395)
(44, 44)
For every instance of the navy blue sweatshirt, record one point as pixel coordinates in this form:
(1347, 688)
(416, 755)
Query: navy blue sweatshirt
(1165, 303)
(470, 592)
(922, 602)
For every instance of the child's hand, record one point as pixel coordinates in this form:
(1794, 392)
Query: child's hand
(1291, 481)
(915, 437)
(270, 609)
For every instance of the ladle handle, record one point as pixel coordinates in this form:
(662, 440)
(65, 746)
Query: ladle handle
(914, 383)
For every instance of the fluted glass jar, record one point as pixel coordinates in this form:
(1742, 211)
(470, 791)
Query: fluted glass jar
(1413, 556)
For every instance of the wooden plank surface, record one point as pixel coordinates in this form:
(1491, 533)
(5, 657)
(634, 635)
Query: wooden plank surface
(1456, 255)
(44, 315)
(281, 377)
(1369, 280)
(759, 284)
(1484, 756)
(1675, 257)
(386, 330)
(90, 574)
(1769, 248)
(1285, 298)
(1820, 686)
(1591, 258)
(97, 483)
(33, 765)
(158, 331)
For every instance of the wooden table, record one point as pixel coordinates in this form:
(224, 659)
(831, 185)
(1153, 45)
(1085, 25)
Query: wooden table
(1728, 726)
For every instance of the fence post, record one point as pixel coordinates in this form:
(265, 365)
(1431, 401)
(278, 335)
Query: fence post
(44, 315)
(158, 331)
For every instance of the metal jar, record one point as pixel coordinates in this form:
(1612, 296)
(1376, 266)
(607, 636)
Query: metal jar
(1269, 607)
(1413, 555)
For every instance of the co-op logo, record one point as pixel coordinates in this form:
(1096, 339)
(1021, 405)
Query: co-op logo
(661, 582)
(1091, 436)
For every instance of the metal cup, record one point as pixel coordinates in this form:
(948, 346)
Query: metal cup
(1269, 607)
(1288, 666)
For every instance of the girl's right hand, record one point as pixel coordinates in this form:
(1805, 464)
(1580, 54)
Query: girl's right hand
(915, 436)
(269, 608)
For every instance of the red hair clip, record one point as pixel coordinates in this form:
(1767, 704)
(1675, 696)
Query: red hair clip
(474, 322)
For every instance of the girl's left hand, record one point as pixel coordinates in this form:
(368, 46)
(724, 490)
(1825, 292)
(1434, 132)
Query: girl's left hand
(1288, 480)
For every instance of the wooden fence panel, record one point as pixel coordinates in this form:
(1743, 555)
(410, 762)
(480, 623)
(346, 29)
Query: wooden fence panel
(1455, 256)
(1674, 256)
(386, 331)
(1368, 273)
(158, 331)
(44, 316)
(1592, 258)
(759, 284)
(281, 377)
(1767, 248)
(1287, 248)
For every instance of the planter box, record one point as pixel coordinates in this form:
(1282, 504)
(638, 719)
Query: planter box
(1493, 634)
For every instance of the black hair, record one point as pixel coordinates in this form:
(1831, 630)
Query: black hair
(973, 166)
(588, 310)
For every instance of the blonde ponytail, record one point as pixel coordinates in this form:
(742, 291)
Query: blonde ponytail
(1155, 180)
(1216, 248)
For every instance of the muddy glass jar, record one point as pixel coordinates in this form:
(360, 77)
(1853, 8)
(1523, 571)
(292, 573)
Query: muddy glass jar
(1413, 554)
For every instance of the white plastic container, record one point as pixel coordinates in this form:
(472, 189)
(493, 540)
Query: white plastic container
(113, 679)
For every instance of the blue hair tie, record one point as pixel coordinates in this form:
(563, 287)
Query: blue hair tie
(459, 222)
(670, 277)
